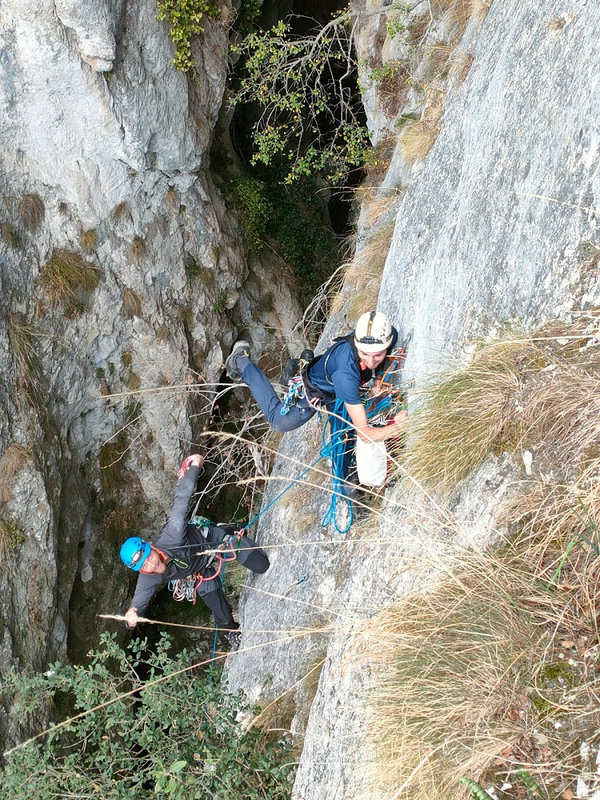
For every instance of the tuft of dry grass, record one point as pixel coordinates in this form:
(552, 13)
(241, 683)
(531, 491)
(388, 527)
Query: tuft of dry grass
(88, 240)
(460, 66)
(539, 391)
(138, 247)
(12, 462)
(10, 235)
(419, 135)
(132, 305)
(31, 211)
(362, 277)
(121, 213)
(556, 25)
(465, 414)
(65, 277)
(438, 59)
(22, 337)
(381, 204)
(461, 11)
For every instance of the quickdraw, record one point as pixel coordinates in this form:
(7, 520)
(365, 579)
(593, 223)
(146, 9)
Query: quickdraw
(295, 392)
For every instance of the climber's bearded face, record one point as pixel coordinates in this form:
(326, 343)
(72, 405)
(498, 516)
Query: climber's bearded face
(371, 360)
(153, 564)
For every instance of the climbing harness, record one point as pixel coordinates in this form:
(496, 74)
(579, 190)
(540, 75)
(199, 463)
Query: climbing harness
(186, 588)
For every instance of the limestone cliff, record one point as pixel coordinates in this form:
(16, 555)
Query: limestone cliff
(493, 220)
(122, 279)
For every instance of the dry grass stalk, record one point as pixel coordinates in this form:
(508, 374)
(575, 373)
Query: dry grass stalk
(362, 277)
(12, 462)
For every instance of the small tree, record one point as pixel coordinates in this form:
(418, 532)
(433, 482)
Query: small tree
(307, 92)
(176, 738)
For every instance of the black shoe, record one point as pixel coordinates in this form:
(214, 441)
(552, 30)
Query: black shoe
(290, 369)
(240, 348)
(306, 356)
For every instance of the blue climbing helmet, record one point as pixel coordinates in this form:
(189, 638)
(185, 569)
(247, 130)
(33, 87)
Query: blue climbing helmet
(134, 552)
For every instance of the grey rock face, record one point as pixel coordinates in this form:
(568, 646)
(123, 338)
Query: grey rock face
(494, 226)
(122, 275)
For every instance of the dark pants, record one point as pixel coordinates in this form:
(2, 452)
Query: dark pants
(214, 598)
(249, 554)
(271, 405)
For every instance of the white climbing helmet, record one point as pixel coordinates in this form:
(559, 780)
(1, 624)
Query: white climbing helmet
(373, 332)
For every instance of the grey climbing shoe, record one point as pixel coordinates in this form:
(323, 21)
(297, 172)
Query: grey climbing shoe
(240, 348)
(234, 638)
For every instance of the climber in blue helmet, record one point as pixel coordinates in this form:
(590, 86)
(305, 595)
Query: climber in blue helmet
(179, 556)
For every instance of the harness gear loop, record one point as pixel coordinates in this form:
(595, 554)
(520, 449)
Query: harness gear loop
(186, 588)
(294, 393)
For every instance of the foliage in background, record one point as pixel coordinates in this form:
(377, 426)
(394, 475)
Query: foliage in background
(177, 739)
(291, 221)
(185, 19)
(306, 89)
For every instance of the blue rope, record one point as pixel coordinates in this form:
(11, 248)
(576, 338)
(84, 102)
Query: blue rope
(335, 449)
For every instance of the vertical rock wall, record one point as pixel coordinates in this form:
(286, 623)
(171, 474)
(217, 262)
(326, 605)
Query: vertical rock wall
(497, 223)
(121, 273)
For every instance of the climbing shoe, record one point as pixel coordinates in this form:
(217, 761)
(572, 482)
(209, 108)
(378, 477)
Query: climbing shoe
(290, 369)
(294, 366)
(239, 349)
(234, 638)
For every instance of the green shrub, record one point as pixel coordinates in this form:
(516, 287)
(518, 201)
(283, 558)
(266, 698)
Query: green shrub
(255, 208)
(177, 739)
(185, 19)
(291, 220)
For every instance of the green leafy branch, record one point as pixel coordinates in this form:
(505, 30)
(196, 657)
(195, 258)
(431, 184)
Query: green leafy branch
(185, 19)
(305, 87)
(177, 738)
